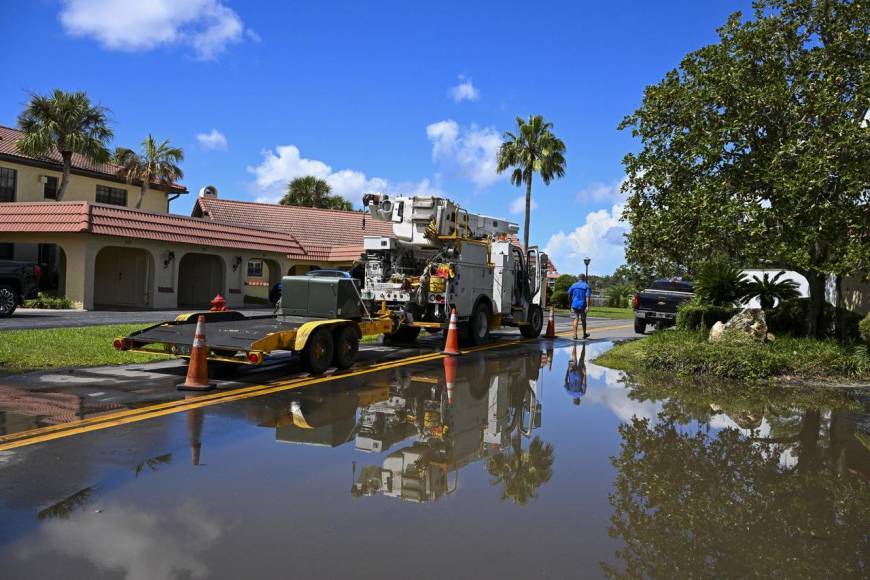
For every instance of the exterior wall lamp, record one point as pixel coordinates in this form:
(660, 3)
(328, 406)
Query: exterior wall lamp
(170, 256)
(236, 263)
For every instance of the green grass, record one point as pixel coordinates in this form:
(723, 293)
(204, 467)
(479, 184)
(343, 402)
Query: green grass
(29, 350)
(688, 353)
(603, 312)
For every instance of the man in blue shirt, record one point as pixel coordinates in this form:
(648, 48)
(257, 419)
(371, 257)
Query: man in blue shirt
(580, 293)
(575, 376)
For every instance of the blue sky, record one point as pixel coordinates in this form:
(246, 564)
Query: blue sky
(396, 96)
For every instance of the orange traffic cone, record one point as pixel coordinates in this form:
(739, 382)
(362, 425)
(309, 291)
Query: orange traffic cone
(551, 325)
(197, 368)
(450, 364)
(451, 347)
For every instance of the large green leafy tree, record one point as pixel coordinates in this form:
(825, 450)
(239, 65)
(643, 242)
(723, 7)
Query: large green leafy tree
(754, 149)
(532, 149)
(311, 191)
(157, 164)
(67, 123)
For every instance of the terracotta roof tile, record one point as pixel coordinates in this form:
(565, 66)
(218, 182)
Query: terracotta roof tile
(8, 137)
(311, 226)
(110, 220)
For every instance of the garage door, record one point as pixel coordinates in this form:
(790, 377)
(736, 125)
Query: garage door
(121, 277)
(200, 278)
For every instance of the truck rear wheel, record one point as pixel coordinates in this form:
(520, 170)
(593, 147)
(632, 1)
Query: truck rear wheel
(346, 347)
(639, 325)
(478, 326)
(8, 301)
(319, 351)
(536, 322)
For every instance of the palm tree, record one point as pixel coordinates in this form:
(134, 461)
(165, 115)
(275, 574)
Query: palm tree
(67, 123)
(311, 191)
(769, 290)
(521, 472)
(720, 284)
(533, 149)
(157, 164)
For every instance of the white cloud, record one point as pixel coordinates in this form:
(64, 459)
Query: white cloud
(207, 26)
(132, 543)
(602, 193)
(464, 91)
(214, 141)
(519, 205)
(600, 238)
(466, 152)
(286, 162)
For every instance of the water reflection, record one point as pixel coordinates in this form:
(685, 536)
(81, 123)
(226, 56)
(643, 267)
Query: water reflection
(730, 481)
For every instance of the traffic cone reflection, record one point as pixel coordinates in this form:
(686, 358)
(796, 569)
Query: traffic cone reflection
(194, 433)
(551, 325)
(197, 368)
(450, 364)
(451, 347)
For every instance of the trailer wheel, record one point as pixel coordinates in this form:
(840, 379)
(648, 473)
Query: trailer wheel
(318, 352)
(346, 347)
(536, 322)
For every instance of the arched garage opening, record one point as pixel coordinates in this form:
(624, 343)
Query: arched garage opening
(200, 278)
(122, 277)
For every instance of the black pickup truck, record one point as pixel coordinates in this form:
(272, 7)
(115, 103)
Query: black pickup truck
(658, 303)
(18, 280)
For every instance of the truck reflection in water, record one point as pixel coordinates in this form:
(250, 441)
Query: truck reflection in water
(442, 419)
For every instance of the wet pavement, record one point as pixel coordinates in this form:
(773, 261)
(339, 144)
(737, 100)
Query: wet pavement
(520, 461)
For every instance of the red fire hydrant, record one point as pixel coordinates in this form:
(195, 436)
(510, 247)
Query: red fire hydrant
(218, 304)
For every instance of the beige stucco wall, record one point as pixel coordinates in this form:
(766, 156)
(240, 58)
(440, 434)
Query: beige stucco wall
(161, 291)
(81, 188)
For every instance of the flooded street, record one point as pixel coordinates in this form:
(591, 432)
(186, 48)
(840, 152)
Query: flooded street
(518, 462)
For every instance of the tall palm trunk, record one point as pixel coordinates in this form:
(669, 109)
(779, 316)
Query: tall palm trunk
(142, 189)
(64, 179)
(528, 211)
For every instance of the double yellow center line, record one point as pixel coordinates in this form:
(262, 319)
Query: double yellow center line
(43, 434)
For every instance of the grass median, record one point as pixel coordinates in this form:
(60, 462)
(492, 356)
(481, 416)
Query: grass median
(22, 351)
(602, 312)
(688, 353)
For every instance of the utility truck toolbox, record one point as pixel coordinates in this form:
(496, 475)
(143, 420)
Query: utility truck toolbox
(320, 297)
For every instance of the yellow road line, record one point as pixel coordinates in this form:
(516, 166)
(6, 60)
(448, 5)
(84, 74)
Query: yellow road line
(43, 434)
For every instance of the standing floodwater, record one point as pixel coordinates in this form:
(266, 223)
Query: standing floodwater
(519, 462)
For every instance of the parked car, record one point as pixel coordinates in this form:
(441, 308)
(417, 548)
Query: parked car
(18, 281)
(275, 291)
(658, 303)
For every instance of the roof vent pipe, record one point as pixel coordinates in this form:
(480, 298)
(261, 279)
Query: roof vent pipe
(208, 191)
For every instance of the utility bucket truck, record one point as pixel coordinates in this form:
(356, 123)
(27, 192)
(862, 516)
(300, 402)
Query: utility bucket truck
(440, 257)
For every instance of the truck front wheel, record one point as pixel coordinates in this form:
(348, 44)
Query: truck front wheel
(318, 352)
(536, 322)
(8, 301)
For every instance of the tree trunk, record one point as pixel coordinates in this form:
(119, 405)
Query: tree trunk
(528, 212)
(142, 189)
(816, 314)
(64, 179)
(839, 313)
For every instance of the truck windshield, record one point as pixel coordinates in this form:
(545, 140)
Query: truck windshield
(672, 286)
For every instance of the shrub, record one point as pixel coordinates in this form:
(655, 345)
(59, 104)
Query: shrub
(559, 299)
(720, 284)
(692, 316)
(769, 290)
(617, 296)
(49, 302)
(864, 327)
(791, 317)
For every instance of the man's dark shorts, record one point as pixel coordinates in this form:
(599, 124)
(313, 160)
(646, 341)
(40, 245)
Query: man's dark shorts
(579, 313)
